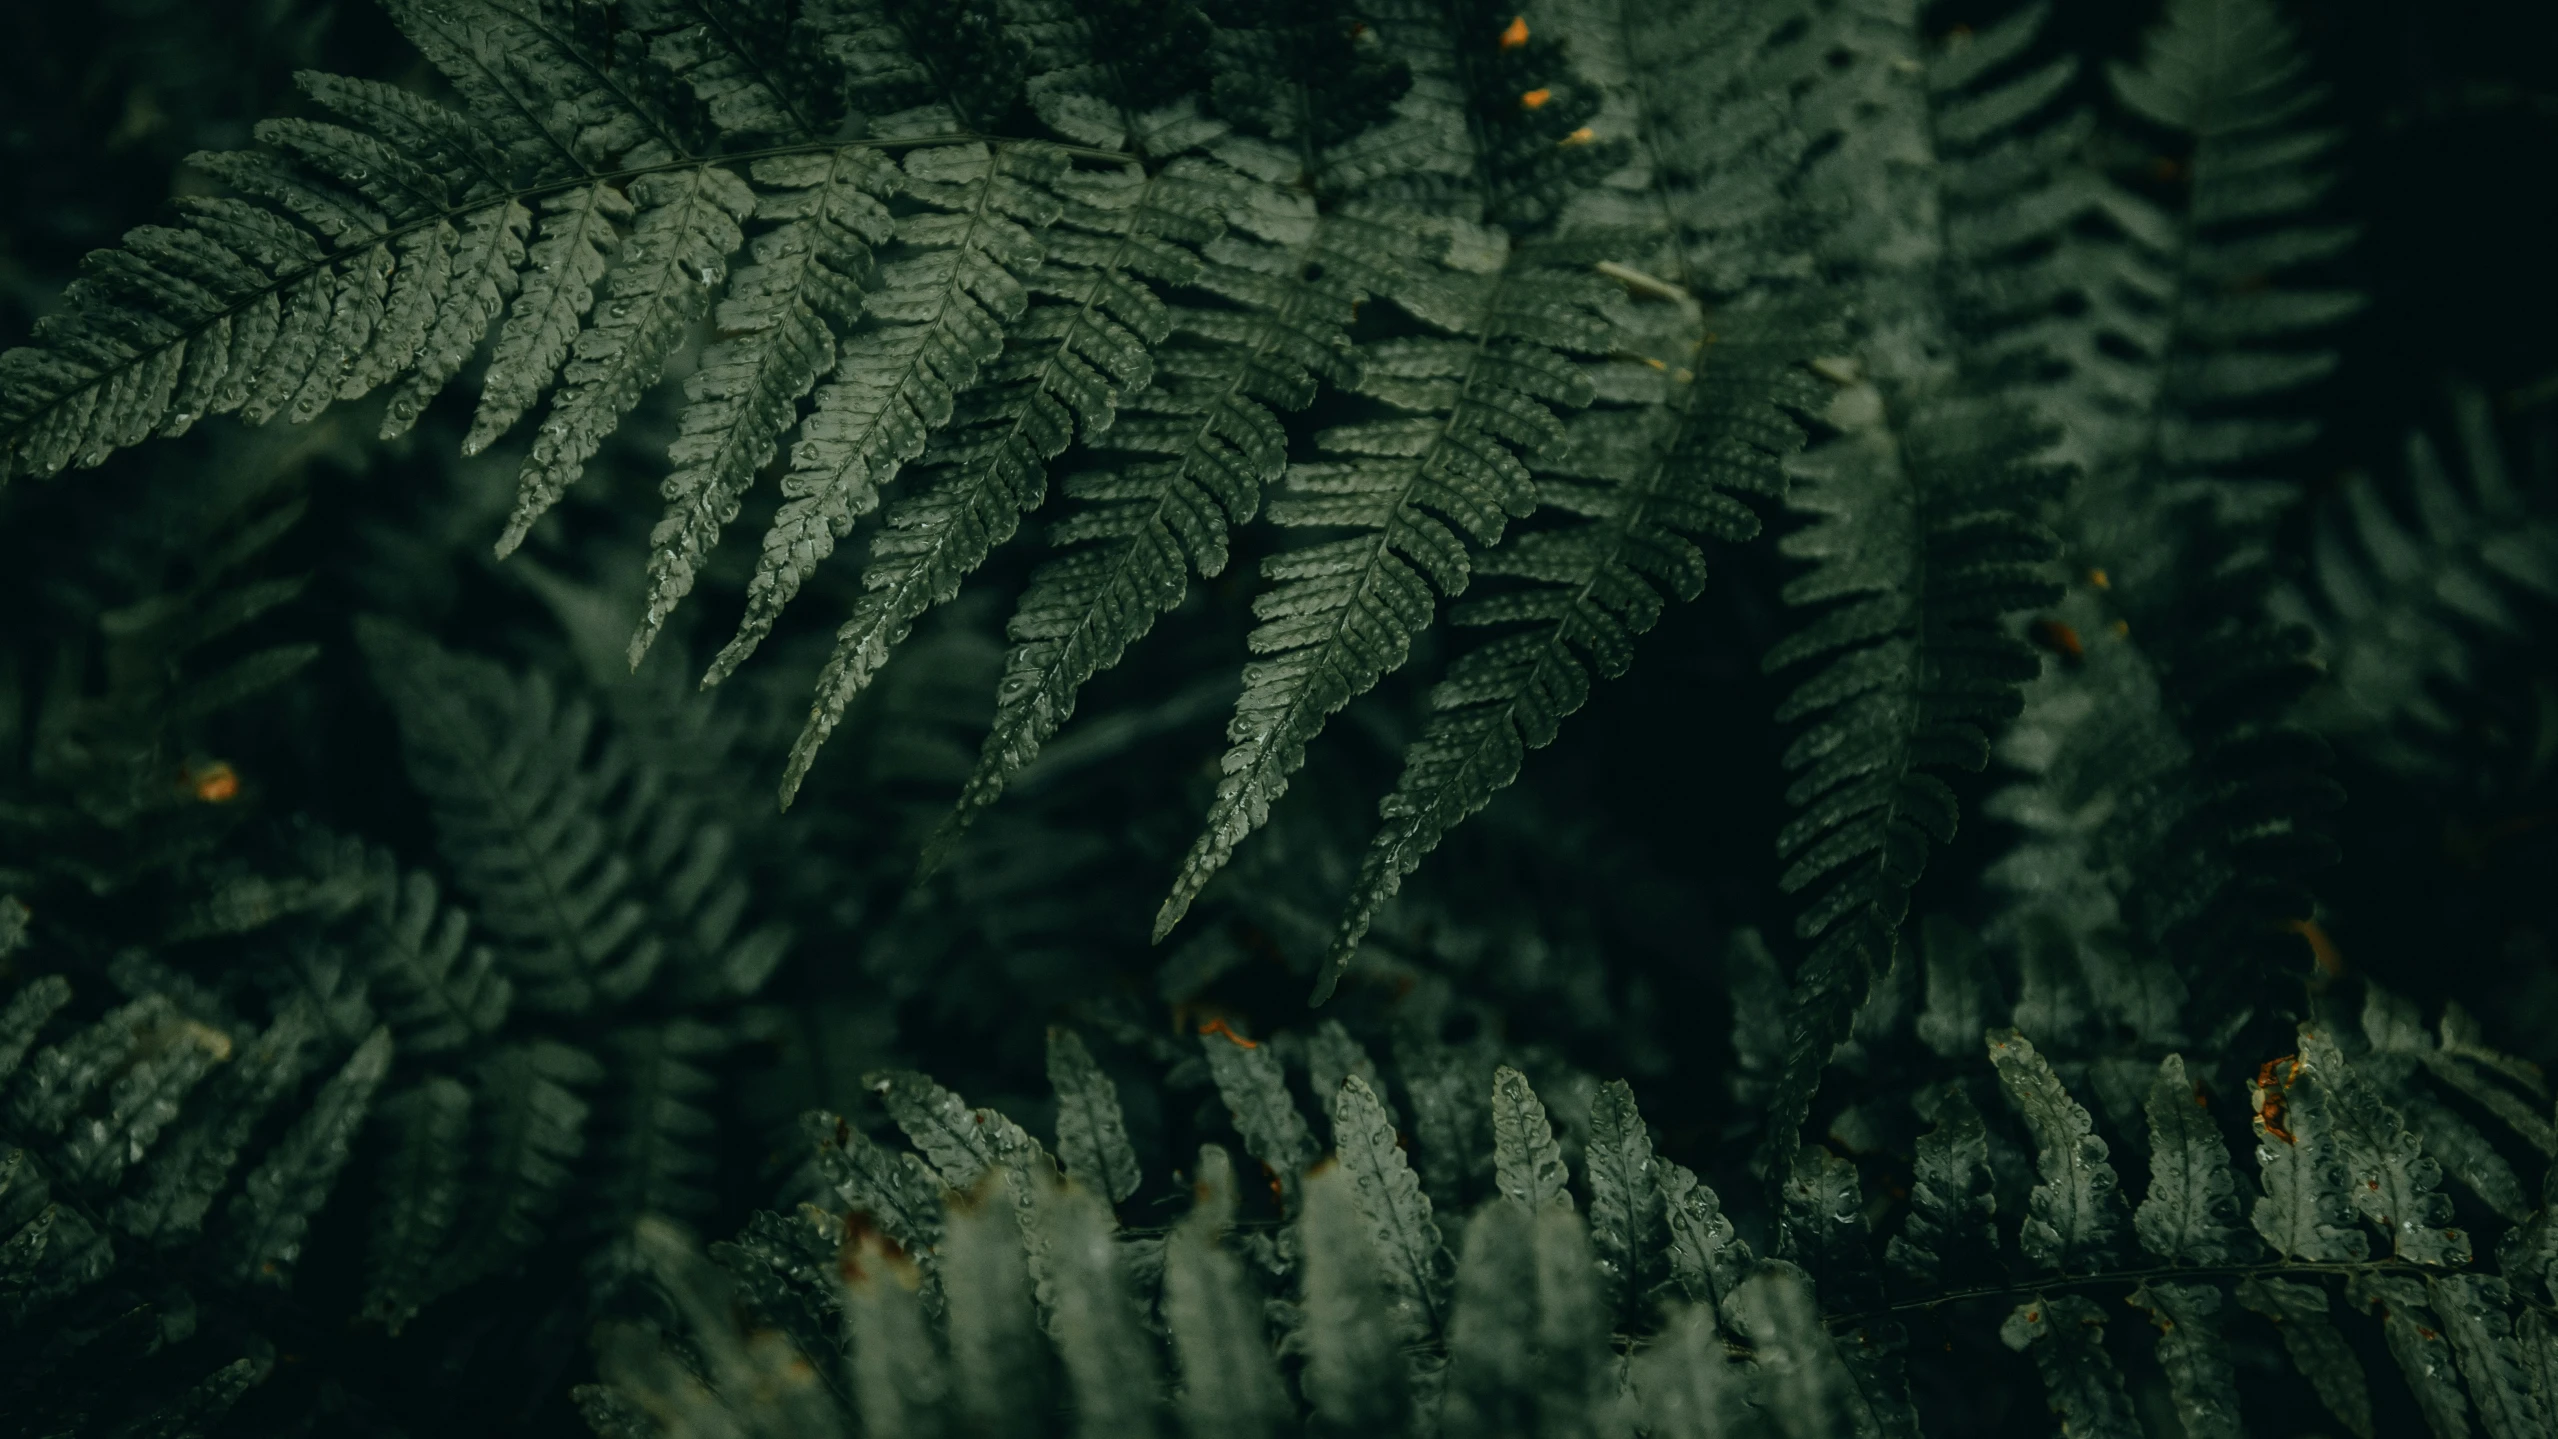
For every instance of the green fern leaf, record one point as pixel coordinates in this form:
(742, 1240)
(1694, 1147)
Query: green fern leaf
(269, 1216)
(1110, 1366)
(1951, 1203)
(1706, 1259)
(938, 311)
(686, 228)
(1801, 1379)
(2391, 1181)
(30, 1009)
(995, 1353)
(2416, 1341)
(899, 1381)
(1193, 453)
(1229, 1384)
(1686, 1383)
(442, 991)
(421, 1182)
(2190, 1214)
(1527, 1163)
(1092, 1136)
(1822, 1226)
(940, 1124)
(480, 278)
(1333, 1056)
(1255, 1089)
(1420, 493)
(554, 108)
(533, 1131)
(1064, 367)
(2304, 1212)
(2066, 1334)
(2074, 1217)
(517, 808)
(1394, 1210)
(2195, 1357)
(567, 260)
(1492, 1327)
(651, 1151)
(192, 1165)
(1354, 1378)
(97, 1147)
(2299, 1313)
(60, 1078)
(785, 313)
(1626, 1219)
(897, 1191)
(747, 62)
(2475, 1319)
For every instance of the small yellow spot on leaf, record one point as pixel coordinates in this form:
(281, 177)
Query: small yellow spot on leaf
(1517, 33)
(2100, 579)
(1581, 136)
(1535, 99)
(216, 783)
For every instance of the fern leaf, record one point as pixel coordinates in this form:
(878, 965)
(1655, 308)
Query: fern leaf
(995, 1353)
(2190, 1214)
(939, 309)
(896, 1191)
(686, 228)
(505, 768)
(651, 1155)
(60, 1078)
(190, 1168)
(1420, 493)
(783, 316)
(2391, 1181)
(746, 61)
(1822, 1226)
(1800, 1374)
(1394, 1211)
(1706, 1259)
(2195, 1357)
(899, 1382)
(1229, 1384)
(1256, 1093)
(1686, 1383)
(2473, 1309)
(2066, 1334)
(1527, 1163)
(421, 1182)
(566, 261)
(554, 108)
(2299, 1313)
(1492, 1327)
(1092, 1136)
(1064, 367)
(2416, 1341)
(2074, 1217)
(533, 1131)
(1951, 1203)
(939, 1123)
(25, 1018)
(1188, 461)
(444, 992)
(2304, 1212)
(1354, 1379)
(1646, 477)
(922, 67)
(1110, 1367)
(273, 1209)
(1333, 1056)
(478, 280)
(97, 1148)
(1626, 1219)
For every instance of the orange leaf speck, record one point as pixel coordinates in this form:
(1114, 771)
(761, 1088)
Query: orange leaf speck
(1535, 99)
(1517, 33)
(216, 783)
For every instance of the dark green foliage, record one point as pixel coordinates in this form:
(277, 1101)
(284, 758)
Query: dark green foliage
(401, 977)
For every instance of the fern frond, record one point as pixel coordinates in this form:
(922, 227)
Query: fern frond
(532, 1131)
(1120, 234)
(421, 1183)
(505, 766)
(2074, 1218)
(444, 992)
(273, 1209)
(1423, 491)
(1191, 456)
(939, 310)
(2066, 1332)
(2405, 614)
(650, 1155)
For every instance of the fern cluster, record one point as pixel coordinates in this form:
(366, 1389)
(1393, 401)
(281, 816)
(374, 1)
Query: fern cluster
(1251, 429)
